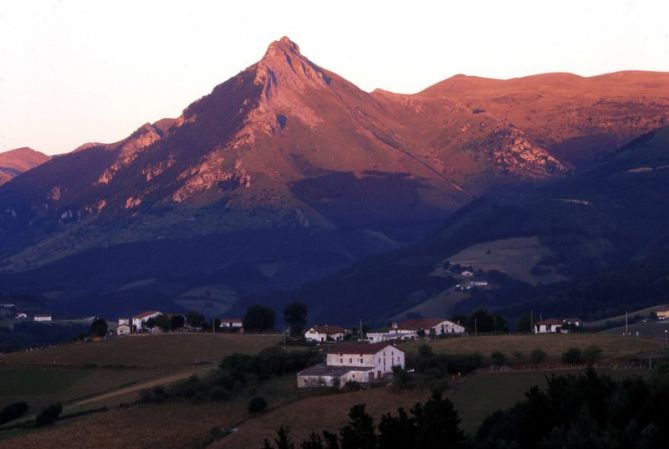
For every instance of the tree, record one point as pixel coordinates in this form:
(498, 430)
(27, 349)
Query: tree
(572, 356)
(359, 432)
(397, 432)
(99, 327)
(283, 440)
(313, 442)
(524, 323)
(177, 322)
(438, 424)
(259, 318)
(295, 316)
(592, 354)
(257, 404)
(538, 356)
(13, 411)
(498, 358)
(48, 415)
(163, 322)
(195, 319)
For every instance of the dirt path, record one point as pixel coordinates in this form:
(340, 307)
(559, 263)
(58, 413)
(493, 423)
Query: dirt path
(142, 386)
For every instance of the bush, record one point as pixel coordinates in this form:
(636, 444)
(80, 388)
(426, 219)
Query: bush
(218, 394)
(49, 415)
(498, 359)
(592, 354)
(518, 356)
(538, 356)
(572, 356)
(257, 404)
(13, 411)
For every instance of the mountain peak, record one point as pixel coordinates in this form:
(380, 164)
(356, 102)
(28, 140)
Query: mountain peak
(282, 46)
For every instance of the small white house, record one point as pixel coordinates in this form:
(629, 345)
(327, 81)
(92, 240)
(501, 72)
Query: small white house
(21, 316)
(42, 318)
(550, 326)
(353, 362)
(429, 327)
(467, 274)
(232, 324)
(123, 329)
(325, 333)
(139, 321)
(662, 314)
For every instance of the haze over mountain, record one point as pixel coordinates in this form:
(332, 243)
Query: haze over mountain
(287, 172)
(15, 162)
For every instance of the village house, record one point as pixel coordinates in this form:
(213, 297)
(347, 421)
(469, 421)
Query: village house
(549, 326)
(662, 314)
(42, 318)
(416, 328)
(123, 327)
(325, 333)
(231, 325)
(352, 362)
(139, 321)
(571, 323)
(21, 316)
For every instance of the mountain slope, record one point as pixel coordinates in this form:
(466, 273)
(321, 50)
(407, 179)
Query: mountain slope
(287, 172)
(15, 162)
(595, 242)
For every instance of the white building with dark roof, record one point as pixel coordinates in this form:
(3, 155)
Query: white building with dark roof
(353, 362)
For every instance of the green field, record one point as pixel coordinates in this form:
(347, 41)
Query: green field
(484, 393)
(614, 347)
(145, 351)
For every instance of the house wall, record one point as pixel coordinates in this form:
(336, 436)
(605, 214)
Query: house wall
(123, 330)
(315, 381)
(138, 323)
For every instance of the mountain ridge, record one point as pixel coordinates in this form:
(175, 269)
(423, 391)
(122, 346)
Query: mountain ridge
(290, 149)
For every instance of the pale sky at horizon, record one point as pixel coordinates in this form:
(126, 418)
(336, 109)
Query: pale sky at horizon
(75, 71)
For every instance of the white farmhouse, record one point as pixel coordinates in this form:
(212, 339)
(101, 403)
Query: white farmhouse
(42, 318)
(325, 333)
(138, 321)
(353, 362)
(123, 327)
(427, 327)
(232, 324)
(550, 326)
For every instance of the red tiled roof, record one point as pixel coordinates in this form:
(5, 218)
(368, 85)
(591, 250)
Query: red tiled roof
(145, 314)
(328, 329)
(550, 322)
(357, 348)
(423, 323)
(231, 320)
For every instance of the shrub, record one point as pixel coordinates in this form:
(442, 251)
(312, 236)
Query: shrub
(572, 356)
(518, 356)
(13, 411)
(592, 354)
(498, 359)
(538, 356)
(257, 404)
(218, 394)
(49, 415)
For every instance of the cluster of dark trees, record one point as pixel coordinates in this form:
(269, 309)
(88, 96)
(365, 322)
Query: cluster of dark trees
(587, 410)
(13, 411)
(236, 372)
(431, 425)
(30, 334)
(481, 321)
(431, 367)
(584, 411)
(260, 318)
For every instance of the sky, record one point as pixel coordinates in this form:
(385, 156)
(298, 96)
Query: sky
(76, 71)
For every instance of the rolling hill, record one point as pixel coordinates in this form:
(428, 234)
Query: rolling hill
(592, 244)
(15, 162)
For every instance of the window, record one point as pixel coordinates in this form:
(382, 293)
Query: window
(350, 360)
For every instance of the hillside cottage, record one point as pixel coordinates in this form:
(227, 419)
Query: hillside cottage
(662, 314)
(231, 324)
(42, 318)
(123, 327)
(352, 362)
(139, 321)
(426, 327)
(325, 333)
(550, 326)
